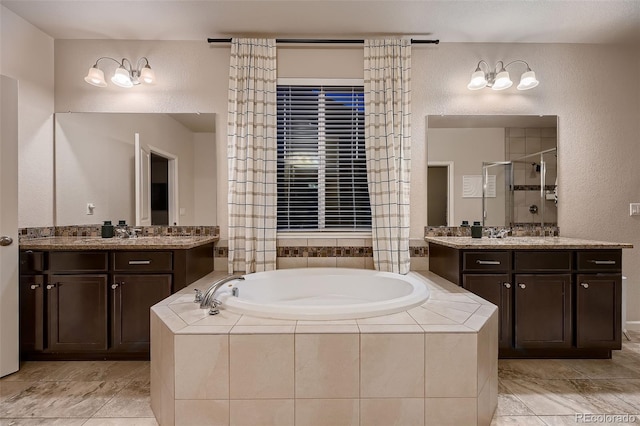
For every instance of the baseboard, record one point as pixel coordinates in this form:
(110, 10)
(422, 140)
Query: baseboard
(633, 325)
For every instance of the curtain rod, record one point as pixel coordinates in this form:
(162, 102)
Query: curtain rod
(319, 40)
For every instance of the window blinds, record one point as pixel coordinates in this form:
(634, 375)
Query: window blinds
(322, 174)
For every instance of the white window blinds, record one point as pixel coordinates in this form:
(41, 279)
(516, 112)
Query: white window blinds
(322, 172)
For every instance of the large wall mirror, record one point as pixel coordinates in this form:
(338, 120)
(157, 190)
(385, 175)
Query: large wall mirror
(96, 168)
(499, 170)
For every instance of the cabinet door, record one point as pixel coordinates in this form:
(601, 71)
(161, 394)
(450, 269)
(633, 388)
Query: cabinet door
(543, 311)
(497, 289)
(133, 295)
(31, 313)
(77, 313)
(598, 310)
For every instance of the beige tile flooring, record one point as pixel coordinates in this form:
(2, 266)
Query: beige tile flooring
(531, 392)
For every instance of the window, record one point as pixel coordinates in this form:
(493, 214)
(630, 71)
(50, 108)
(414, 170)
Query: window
(322, 171)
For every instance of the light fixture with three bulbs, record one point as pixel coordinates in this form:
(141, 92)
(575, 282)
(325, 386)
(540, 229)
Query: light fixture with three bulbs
(125, 75)
(498, 77)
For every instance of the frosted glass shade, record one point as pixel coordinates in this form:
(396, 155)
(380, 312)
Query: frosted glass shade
(147, 75)
(502, 81)
(528, 81)
(478, 81)
(121, 78)
(95, 77)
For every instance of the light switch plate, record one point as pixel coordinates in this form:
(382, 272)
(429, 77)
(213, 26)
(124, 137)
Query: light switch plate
(634, 209)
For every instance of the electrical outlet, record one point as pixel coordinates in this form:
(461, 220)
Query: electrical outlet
(634, 209)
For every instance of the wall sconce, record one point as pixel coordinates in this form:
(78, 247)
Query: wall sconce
(125, 76)
(498, 77)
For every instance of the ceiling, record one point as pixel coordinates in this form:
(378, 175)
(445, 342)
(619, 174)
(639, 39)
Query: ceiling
(517, 21)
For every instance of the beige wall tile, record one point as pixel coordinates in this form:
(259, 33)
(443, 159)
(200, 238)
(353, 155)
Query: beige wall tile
(261, 366)
(450, 411)
(342, 328)
(291, 262)
(351, 242)
(485, 410)
(202, 413)
(168, 405)
(220, 264)
(327, 412)
(368, 263)
(419, 264)
(451, 365)
(322, 262)
(291, 242)
(483, 355)
(167, 360)
(350, 262)
(262, 412)
(249, 320)
(392, 411)
(202, 367)
(417, 242)
(263, 329)
(322, 242)
(392, 365)
(399, 318)
(327, 365)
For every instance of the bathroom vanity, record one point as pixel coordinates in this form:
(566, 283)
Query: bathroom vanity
(557, 297)
(89, 298)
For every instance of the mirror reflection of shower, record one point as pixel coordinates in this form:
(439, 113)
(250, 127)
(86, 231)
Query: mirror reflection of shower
(529, 202)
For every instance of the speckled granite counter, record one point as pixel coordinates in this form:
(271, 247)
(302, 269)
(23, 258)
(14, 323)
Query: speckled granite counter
(96, 243)
(524, 243)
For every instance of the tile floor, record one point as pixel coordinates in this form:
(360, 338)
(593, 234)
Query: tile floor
(531, 392)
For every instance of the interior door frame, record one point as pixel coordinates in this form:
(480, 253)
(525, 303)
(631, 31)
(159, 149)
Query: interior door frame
(450, 188)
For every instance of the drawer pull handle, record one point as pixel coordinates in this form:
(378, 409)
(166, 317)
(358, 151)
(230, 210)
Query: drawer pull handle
(34, 286)
(522, 285)
(114, 286)
(50, 286)
(507, 285)
(139, 262)
(585, 285)
(603, 262)
(488, 262)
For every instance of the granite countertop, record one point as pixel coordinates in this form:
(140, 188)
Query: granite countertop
(97, 243)
(524, 243)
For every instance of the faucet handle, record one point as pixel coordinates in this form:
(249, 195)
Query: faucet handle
(215, 303)
(198, 295)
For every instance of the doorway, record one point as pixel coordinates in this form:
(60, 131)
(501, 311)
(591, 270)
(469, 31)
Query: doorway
(159, 190)
(440, 193)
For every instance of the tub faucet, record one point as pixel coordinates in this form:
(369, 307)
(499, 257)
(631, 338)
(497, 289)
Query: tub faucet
(208, 299)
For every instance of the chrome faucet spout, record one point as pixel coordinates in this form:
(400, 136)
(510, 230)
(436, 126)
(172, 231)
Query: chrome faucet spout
(208, 299)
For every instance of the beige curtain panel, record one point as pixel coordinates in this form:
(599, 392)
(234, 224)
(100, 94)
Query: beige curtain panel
(387, 98)
(252, 155)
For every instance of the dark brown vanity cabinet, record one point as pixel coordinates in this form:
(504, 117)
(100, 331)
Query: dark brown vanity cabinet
(551, 303)
(95, 304)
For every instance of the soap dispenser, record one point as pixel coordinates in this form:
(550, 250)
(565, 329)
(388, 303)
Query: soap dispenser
(107, 229)
(476, 230)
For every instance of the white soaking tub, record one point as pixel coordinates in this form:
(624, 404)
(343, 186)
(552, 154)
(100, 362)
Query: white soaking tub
(323, 294)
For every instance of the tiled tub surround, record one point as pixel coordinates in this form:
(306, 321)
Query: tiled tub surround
(431, 365)
(516, 231)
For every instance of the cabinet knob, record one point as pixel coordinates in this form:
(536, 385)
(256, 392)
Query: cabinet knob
(507, 285)
(521, 285)
(198, 296)
(34, 286)
(50, 286)
(585, 285)
(114, 286)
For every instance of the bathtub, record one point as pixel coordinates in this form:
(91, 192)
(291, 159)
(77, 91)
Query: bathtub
(323, 294)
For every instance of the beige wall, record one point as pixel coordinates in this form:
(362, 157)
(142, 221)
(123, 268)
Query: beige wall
(26, 54)
(598, 115)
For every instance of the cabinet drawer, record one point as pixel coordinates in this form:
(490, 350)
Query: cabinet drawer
(599, 260)
(31, 262)
(486, 261)
(78, 261)
(143, 261)
(544, 261)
